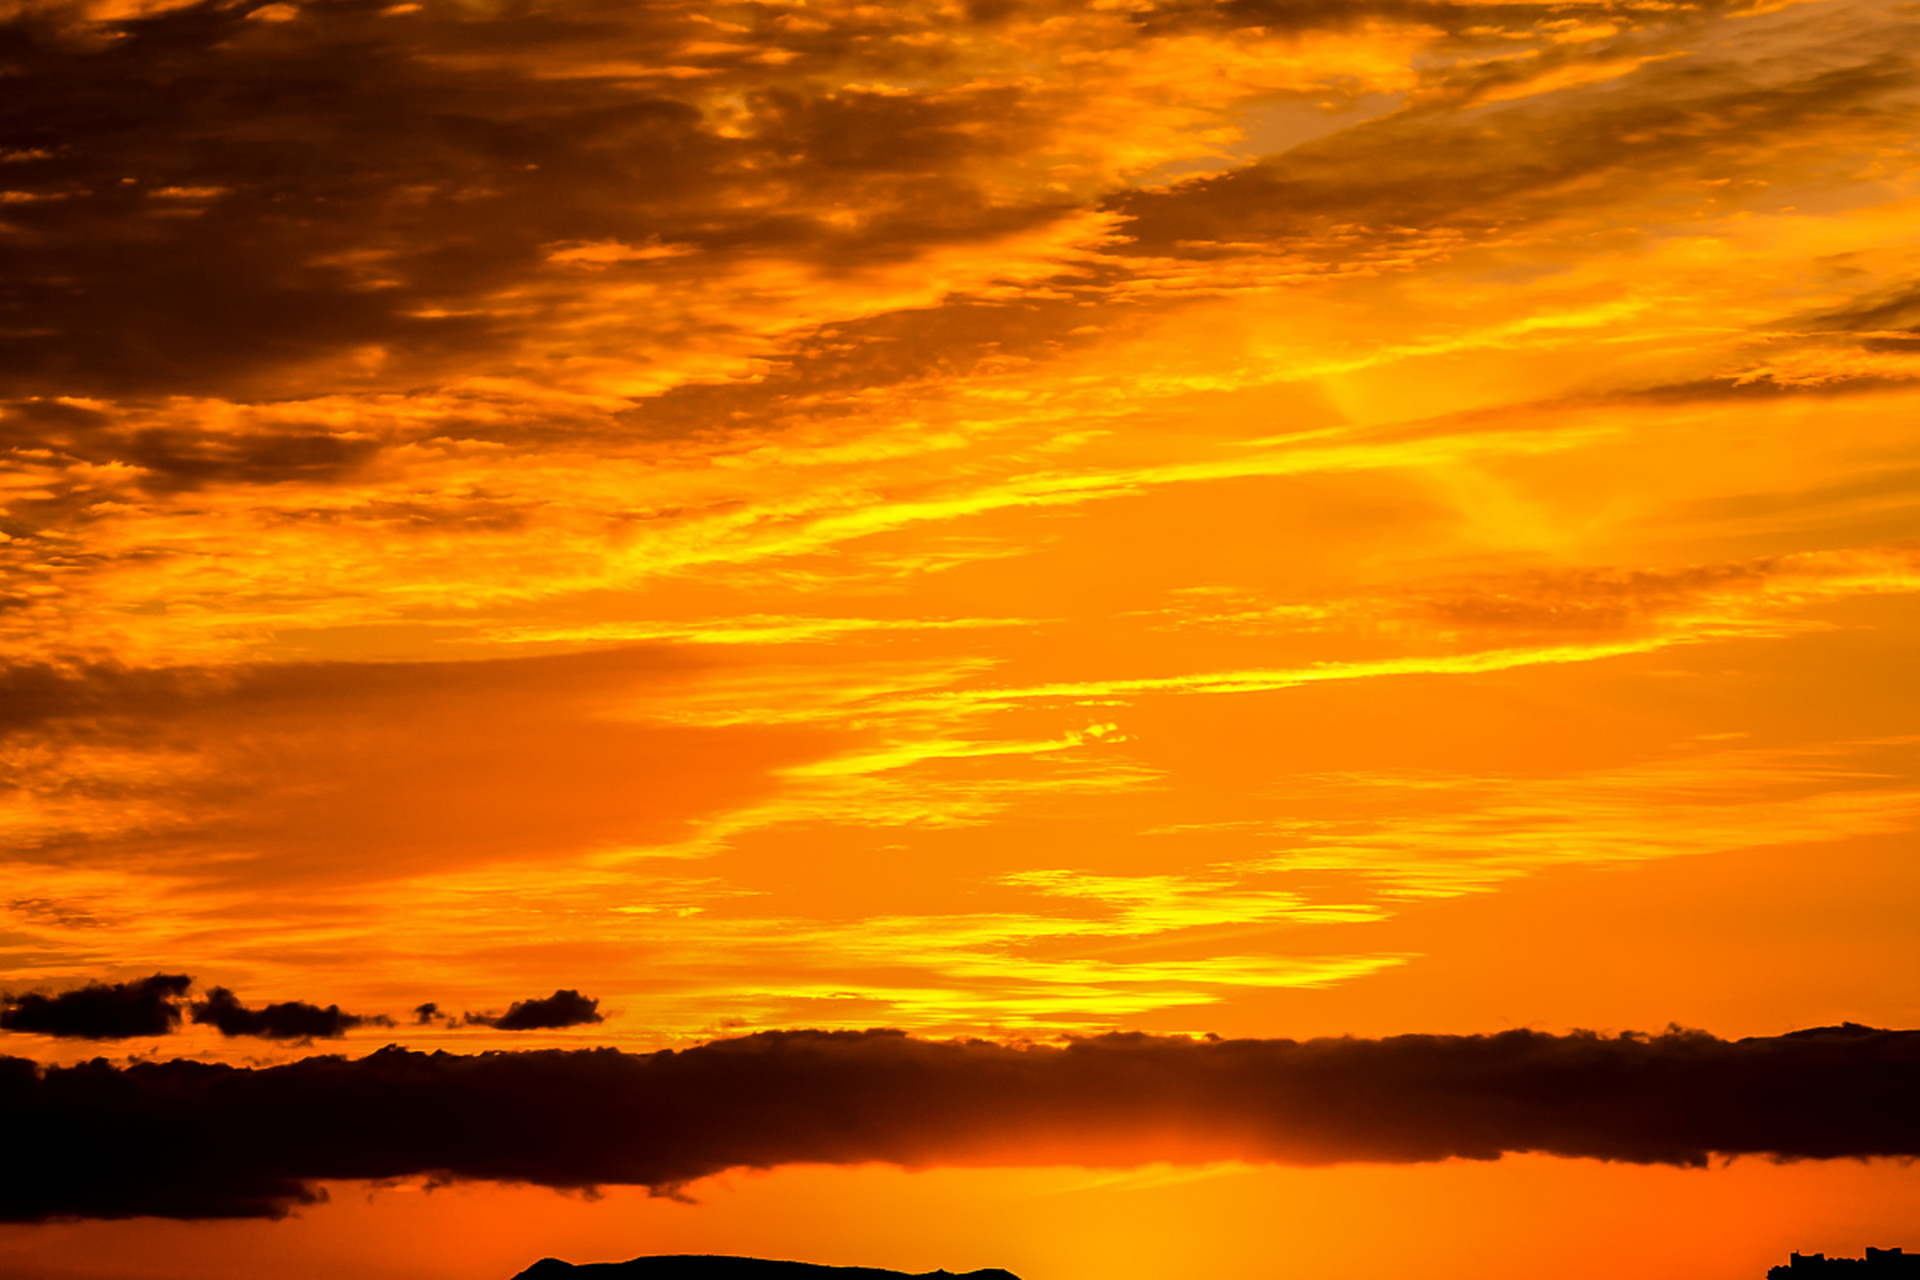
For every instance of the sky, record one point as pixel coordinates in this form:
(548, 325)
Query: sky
(1011, 581)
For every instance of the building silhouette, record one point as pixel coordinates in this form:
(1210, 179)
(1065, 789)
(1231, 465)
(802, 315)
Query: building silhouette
(1879, 1264)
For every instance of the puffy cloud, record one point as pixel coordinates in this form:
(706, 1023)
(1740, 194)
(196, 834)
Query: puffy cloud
(564, 1008)
(152, 1007)
(190, 1139)
(100, 1011)
(288, 1020)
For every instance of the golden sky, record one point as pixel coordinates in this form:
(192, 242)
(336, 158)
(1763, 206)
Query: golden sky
(1006, 519)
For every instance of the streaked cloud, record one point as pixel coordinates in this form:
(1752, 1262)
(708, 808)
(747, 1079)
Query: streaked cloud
(1440, 842)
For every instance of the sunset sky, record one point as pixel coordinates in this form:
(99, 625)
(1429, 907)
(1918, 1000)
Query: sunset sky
(1001, 519)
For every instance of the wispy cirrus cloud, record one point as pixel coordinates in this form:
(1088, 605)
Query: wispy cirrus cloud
(1453, 835)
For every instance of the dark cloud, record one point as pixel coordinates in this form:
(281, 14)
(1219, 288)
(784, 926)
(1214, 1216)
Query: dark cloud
(1599, 599)
(827, 371)
(161, 460)
(288, 1020)
(151, 1007)
(38, 695)
(1897, 308)
(94, 695)
(565, 1008)
(1728, 387)
(206, 200)
(100, 1011)
(213, 202)
(212, 188)
(1478, 21)
(54, 912)
(192, 1139)
(177, 460)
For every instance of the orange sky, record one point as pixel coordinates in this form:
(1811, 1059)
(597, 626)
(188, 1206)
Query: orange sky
(1003, 518)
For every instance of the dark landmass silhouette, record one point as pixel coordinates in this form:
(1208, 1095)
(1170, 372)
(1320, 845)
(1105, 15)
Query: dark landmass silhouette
(188, 1139)
(710, 1266)
(1879, 1264)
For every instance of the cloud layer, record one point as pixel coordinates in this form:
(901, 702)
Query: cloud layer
(189, 1139)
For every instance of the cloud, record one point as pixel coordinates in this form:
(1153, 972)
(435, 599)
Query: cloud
(1764, 596)
(565, 1008)
(288, 1020)
(440, 185)
(100, 1011)
(635, 230)
(1431, 835)
(1472, 19)
(1397, 182)
(540, 191)
(152, 1007)
(212, 288)
(192, 1140)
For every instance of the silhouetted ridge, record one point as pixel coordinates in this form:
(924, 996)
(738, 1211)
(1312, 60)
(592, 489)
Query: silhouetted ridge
(1879, 1264)
(712, 1266)
(188, 1139)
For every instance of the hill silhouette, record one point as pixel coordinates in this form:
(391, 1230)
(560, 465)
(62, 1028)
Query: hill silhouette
(1879, 1264)
(709, 1266)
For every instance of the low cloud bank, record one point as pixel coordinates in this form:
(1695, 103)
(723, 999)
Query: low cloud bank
(197, 1140)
